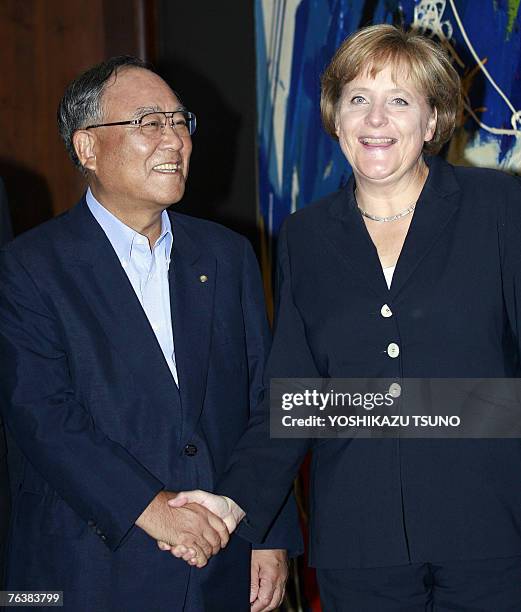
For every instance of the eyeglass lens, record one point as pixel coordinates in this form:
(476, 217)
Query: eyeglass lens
(155, 123)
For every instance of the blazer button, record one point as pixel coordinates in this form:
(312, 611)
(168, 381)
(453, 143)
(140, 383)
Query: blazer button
(395, 390)
(393, 350)
(385, 311)
(190, 450)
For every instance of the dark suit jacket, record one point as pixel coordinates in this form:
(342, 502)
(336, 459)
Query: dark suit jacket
(456, 312)
(5, 235)
(93, 408)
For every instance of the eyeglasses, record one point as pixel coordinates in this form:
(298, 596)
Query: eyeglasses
(153, 124)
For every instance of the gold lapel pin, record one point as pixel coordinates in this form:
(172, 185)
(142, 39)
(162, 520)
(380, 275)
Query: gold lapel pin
(203, 278)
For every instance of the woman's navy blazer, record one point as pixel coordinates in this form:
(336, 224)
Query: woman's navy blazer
(456, 312)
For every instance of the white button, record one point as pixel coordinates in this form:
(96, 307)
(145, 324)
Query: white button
(395, 390)
(386, 311)
(393, 350)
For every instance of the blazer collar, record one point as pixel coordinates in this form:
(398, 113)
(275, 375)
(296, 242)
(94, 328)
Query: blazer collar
(347, 232)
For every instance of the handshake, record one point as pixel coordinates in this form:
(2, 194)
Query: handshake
(191, 525)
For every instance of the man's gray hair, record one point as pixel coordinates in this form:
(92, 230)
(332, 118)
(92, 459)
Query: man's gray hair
(81, 103)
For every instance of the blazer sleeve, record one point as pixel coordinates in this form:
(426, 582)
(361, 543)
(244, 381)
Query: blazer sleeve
(285, 531)
(96, 476)
(262, 469)
(510, 245)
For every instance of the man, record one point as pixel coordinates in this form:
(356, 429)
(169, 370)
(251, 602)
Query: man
(134, 341)
(5, 236)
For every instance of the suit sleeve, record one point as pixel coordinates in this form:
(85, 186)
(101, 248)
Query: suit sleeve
(262, 469)
(510, 245)
(285, 532)
(97, 477)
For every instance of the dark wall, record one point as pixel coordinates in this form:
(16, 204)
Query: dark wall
(45, 44)
(207, 54)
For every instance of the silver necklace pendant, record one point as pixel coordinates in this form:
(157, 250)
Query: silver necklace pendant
(399, 215)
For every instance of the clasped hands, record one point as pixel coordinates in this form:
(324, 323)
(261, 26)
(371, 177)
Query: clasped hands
(193, 525)
(196, 525)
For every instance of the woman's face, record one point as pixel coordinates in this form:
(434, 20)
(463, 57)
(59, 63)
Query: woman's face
(382, 125)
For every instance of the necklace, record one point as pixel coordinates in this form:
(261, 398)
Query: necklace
(399, 215)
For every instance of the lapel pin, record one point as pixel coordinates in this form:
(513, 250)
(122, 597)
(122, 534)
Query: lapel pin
(203, 278)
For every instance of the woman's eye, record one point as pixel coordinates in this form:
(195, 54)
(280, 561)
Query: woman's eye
(400, 102)
(358, 100)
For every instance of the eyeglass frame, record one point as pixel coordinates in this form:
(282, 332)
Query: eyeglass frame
(137, 122)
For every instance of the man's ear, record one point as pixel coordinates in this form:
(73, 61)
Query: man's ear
(85, 146)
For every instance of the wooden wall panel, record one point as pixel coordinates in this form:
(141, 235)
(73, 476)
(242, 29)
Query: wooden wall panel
(45, 44)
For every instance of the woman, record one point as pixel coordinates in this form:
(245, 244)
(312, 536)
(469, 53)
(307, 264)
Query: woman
(412, 271)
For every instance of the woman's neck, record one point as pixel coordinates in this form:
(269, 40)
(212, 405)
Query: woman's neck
(392, 198)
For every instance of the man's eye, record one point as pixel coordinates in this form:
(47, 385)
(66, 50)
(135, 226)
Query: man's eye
(151, 124)
(400, 102)
(180, 123)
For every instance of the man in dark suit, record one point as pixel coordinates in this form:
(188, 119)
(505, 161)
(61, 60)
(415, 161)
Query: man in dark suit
(134, 342)
(5, 236)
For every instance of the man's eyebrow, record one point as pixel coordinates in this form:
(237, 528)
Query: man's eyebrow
(143, 110)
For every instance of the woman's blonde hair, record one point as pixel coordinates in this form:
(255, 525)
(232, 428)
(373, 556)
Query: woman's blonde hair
(427, 65)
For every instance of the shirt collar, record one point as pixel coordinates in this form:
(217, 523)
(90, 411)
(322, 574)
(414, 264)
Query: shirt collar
(122, 236)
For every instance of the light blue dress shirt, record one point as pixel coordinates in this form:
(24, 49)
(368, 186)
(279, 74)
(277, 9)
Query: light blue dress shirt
(147, 271)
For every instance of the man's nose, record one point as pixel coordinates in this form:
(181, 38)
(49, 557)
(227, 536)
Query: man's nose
(171, 137)
(377, 114)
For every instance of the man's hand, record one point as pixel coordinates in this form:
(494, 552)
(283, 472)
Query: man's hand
(222, 506)
(196, 533)
(269, 572)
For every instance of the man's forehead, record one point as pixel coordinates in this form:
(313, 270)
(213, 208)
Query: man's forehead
(138, 91)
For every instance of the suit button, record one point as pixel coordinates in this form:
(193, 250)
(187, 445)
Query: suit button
(103, 538)
(385, 311)
(395, 390)
(190, 450)
(393, 350)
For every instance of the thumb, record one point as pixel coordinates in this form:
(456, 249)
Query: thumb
(185, 497)
(180, 500)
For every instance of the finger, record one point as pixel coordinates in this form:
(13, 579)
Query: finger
(220, 526)
(179, 550)
(230, 523)
(200, 559)
(254, 582)
(163, 545)
(213, 538)
(277, 598)
(209, 542)
(189, 555)
(264, 596)
(200, 543)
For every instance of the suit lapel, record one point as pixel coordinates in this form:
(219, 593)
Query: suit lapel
(192, 287)
(436, 205)
(347, 234)
(107, 291)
